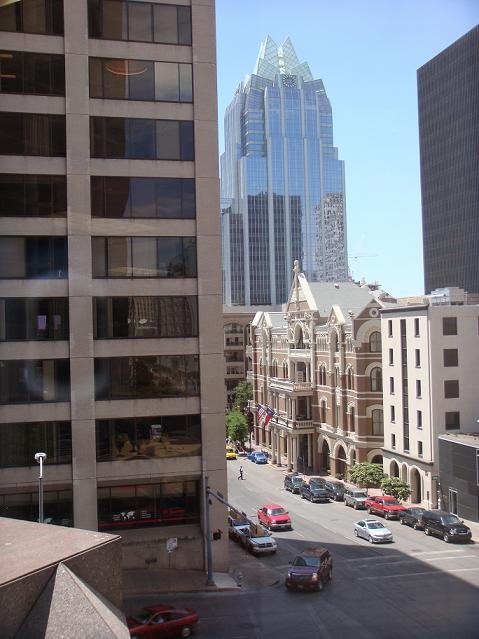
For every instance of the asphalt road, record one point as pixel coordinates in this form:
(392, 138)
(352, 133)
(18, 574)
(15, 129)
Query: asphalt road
(417, 586)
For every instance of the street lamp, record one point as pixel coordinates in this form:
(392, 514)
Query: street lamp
(40, 458)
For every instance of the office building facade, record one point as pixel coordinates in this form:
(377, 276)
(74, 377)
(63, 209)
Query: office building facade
(110, 293)
(448, 94)
(282, 184)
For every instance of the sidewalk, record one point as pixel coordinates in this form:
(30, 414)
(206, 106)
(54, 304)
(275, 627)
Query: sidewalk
(142, 582)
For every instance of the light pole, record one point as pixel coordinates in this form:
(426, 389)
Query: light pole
(40, 458)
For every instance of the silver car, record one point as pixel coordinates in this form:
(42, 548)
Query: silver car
(372, 530)
(355, 498)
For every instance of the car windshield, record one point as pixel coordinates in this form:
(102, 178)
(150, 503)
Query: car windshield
(392, 502)
(312, 562)
(416, 511)
(296, 480)
(240, 522)
(451, 519)
(277, 511)
(360, 495)
(141, 617)
(374, 524)
(316, 483)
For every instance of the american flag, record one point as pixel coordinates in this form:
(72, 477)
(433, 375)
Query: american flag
(264, 413)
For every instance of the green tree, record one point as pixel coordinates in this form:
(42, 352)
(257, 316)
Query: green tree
(236, 426)
(242, 394)
(366, 474)
(395, 487)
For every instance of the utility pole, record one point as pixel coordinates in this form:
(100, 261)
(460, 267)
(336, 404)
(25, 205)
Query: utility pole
(40, 458)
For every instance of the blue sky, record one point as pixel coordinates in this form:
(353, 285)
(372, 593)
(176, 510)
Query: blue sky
(367, 53)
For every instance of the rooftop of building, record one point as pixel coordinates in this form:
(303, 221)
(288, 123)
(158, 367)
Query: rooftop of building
(469, 439)
(250, 310)
(347, 295)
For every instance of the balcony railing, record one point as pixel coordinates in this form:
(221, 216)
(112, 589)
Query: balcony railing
(300, 353)
(288, 385)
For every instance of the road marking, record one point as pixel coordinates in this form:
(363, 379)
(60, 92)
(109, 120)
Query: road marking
(413, 574)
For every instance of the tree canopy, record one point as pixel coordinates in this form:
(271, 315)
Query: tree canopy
(366, 474)
(395, 487)
(242, 394)
(236, 426)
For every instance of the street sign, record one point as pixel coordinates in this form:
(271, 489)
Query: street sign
(171, 544)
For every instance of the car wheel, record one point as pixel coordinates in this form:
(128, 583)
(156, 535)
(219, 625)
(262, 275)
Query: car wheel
(387, 516)
(355, 532)
(185, 631)
(415, 526)
(355, 506)
(330, 576)
(320, 584)
(427, 531)
(446, 538)
(370, 539)
(403, 521)
(369, 510)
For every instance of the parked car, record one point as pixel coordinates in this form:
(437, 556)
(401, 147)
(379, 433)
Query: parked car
(274, 517)
(236, 523)
(293, 482)
(230, 453)
(260, 458)
(162, 621)
(314, 492)
(257, 540)
(386, 505)
(372, 530)
(310, 570)
(355, 498)
(335, 490)
(411, 517)
(445, 525)
(252, 454)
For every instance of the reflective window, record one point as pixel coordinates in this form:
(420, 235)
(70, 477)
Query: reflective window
(32, 134)
(377, 421)
(33, 318)
(376, 377)
(148, 437)
(375, 342)
(33, 195)
(33, 257)
(32, 16)
(141, 139)
(122, 79)
(143, 377)
(57, 506)
(20, 441)
(140, 21)
(37, 73)
(144, 257)
(173, 82)
(29, 381)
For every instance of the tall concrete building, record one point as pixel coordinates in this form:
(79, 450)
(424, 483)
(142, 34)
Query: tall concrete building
(282, 184)
(448, 91)
(111, 350)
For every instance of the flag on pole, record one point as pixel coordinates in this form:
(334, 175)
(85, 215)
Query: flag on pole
(264, 413)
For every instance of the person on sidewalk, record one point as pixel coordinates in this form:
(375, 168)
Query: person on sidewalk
(240, 476)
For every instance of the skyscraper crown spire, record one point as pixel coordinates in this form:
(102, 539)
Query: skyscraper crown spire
(273, 59)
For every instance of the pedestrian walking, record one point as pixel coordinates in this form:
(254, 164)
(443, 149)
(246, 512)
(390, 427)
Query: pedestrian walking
(240, 476)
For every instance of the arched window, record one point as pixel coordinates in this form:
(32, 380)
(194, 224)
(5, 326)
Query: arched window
(299, 338)
(350, 379)
(352, 419)
(375, 342)
(334, 342)
(323, 411)
(376, 377)
(377, 421)
(322, 375)
(285, 370)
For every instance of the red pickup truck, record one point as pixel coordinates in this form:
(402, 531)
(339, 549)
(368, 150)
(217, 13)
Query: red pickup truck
(274, 517)
(385, 505)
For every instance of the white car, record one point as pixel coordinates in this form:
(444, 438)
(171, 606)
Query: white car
(372, 530)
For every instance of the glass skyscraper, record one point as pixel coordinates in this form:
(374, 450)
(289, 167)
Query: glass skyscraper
(282, 184)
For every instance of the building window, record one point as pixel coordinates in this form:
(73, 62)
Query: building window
(32, 134)
(391, 357)
(29, 381)
(419, 449)
(20, 441)
(350, 379)
(33, 318)
(451, 388)
(450, 356)
(417, 354)
(416, 327)
(377, 421)
(124, 197)
(39, 16)
(452, 420)
(33, 257)
(391, 385)
(418, 388)
(393, 413)
(148, 438)
(32, 73)
(163, 257)
(449, 325)
(322, 376)
(33, 195)
(141, 139)
(122, 79)
(144, 377)
(352, 419)
(393, 441)
(127, 317)
(419, 418)
(376, 377)
(390, 328)
(140, 21)
(57, 506)
(323, 411)
(375, 342)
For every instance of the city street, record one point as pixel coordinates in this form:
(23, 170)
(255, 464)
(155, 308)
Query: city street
(417, 586)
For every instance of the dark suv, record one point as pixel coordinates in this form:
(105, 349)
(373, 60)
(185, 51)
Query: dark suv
(335, 490)
(314, 491)
(310, 570)
(293, 483)
(445, 525)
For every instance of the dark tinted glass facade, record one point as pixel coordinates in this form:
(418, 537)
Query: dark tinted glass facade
(32, 16)
(140, 21)
(32, 134)
(19, 442)
(34, 380)
(33, 195)
(166, 316)
(143, 197)
(148, 437)
(33, 257)
(141, 139)
(32, 73)
(448, 91)
(57, 506)
(33, 318)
